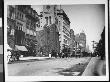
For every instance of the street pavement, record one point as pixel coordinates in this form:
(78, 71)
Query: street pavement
(96, 67)
(49, 67)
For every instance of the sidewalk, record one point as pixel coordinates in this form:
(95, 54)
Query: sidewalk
(32, 58)
(96, 67)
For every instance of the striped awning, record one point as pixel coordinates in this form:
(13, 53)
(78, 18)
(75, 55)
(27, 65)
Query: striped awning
(21, 48)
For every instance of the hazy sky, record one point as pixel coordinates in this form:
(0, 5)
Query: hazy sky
(87, 17)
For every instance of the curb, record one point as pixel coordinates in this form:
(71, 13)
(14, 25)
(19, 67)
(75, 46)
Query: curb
(95, 68)
(90, 67)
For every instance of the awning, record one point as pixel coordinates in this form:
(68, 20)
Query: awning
(21, 48)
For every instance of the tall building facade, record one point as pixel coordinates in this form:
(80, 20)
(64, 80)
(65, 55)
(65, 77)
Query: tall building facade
(11, 25)
(53, 15)
(64, 28)
(22, 22)
(32, 22)
(49, 29)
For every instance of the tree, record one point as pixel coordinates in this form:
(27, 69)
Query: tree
(100, 49)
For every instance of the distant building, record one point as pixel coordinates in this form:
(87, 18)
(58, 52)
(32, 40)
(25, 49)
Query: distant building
(80, 42)
(87, 49)
(72, 41)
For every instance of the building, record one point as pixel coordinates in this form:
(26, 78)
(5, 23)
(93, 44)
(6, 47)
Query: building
(64, 28)
(72, 41)
(48, 30)
(48, 15)
(53, 15)
(54, 43)
(11, 24)
(48, 40)
(32, 21)
(80, 42)
(22, 22)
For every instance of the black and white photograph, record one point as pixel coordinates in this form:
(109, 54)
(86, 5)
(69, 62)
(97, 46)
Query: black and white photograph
(63, 39)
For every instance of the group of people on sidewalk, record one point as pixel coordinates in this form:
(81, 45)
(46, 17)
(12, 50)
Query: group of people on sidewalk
(12, 55)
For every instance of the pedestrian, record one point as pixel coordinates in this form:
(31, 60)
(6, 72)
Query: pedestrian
(50, 55)
(17, 55)
(8, 55)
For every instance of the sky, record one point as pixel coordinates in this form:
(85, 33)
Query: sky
(89, 18)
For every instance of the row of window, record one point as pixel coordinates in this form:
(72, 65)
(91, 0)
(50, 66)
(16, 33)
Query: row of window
(48, 20)
(19, 26)
(31, 25)
(19, 15)
(66, 31)
(11, 12)
(66, 25)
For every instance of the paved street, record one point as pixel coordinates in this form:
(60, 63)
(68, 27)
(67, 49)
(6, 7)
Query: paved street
(49, 67)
